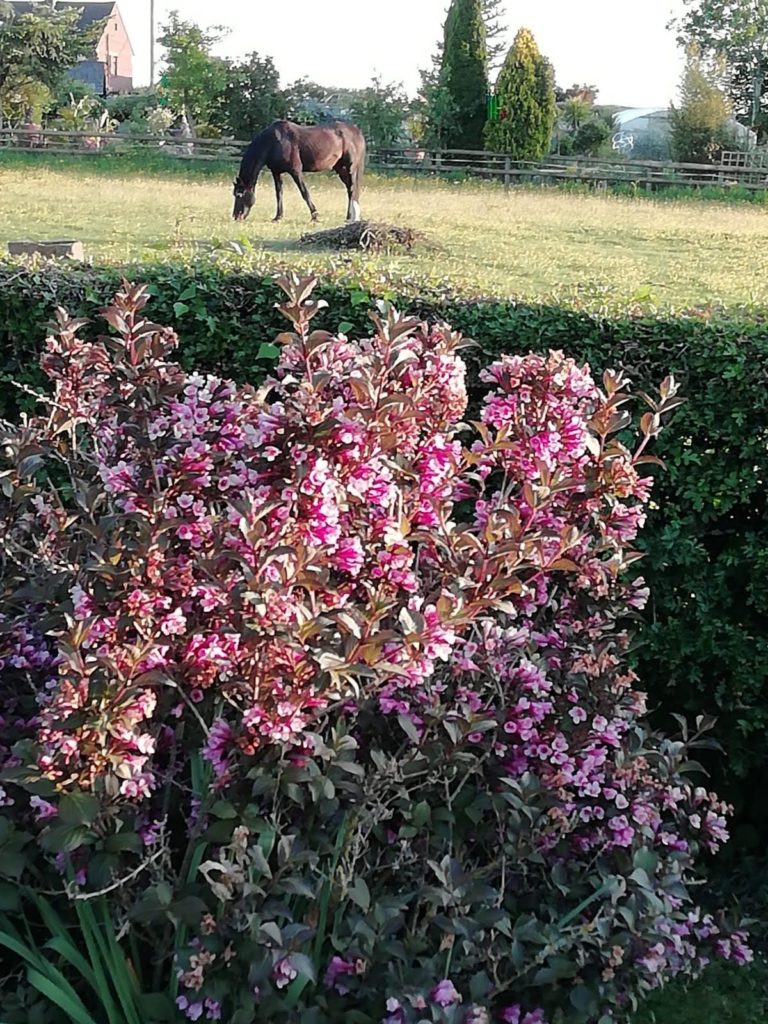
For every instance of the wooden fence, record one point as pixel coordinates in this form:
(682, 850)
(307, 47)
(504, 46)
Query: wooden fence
(747, 170)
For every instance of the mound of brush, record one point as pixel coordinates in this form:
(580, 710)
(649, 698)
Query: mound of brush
(367, 235)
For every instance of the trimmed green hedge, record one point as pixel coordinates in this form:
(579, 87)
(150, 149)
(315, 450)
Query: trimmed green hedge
(706, 643)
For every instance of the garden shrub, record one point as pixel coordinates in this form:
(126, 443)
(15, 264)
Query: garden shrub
(705, 645)
(321, 695)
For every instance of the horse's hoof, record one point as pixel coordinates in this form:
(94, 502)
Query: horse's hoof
(315, 217)
(276, 220)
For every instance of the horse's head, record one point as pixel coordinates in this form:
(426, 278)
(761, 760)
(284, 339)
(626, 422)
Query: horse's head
(244, 199)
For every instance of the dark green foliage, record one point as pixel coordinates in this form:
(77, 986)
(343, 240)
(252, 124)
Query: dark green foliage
(700, 124)
(706, 642)
(725, 995)
(464, 73)
(495, 18)
(194, 80)
(380, 111)
(736, 33)
(252, 98)
(38, 48)
(526, 91)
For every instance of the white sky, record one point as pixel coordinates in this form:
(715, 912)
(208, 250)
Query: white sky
(624, 48)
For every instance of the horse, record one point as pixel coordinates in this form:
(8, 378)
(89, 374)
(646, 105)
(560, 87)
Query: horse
(288, 148)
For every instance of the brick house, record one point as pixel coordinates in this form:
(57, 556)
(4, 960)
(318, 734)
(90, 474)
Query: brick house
(110, 68)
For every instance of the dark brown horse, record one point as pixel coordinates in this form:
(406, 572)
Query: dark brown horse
(287, 148)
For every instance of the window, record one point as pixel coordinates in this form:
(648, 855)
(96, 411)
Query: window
(114, 65)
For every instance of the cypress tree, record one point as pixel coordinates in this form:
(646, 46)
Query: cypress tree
(464, 72)
(526, 92)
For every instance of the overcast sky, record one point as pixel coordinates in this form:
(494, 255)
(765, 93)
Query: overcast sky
(624, 48)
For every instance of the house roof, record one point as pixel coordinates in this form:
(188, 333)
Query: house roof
(91, 12)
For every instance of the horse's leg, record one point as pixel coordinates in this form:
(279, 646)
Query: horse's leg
(277, 175)
(356, 171)
(345, 174)
(301, 185)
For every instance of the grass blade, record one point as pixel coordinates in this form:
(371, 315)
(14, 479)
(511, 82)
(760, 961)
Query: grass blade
(120, 973)
(103, 991)
(73, 1007)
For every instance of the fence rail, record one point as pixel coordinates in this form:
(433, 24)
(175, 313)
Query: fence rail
(749, 171)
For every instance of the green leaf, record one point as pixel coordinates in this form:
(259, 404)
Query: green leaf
(189, 293)
(156, 1007)
(267, 351)
(224, 809)
(9, 898)
(66, 838)
(220, 831)
(360, 894)
(421, 814)
(408, 728)
(180, 308)
(70, 1004)
(123, 842)
(303, 966)
(584, 999)
(272, 931)
(79, 808)
(189, 909)
(345, 327)
(647, 860)
(67, 951)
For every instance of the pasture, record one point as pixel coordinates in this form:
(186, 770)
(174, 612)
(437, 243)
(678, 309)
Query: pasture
(525, 242)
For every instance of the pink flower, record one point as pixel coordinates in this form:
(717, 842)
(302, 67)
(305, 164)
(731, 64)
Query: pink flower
(219, 746)
(445, 994)
(174, 624)
(349, 556)
(283, 973)
(337, 969)
(42, 808)
(213, 1009)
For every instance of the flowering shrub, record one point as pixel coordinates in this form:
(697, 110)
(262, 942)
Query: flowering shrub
(326, 693)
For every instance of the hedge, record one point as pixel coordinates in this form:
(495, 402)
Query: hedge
(705, 645)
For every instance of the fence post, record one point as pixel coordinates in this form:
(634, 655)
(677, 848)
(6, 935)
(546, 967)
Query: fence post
(507, 175)
(439, 161)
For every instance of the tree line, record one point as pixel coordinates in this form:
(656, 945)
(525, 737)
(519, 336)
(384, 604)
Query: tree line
(726, 76)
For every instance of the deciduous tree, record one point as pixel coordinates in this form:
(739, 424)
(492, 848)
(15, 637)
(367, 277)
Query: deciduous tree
(735, 31)
(36, 49)
(700, 122)
(194, 79)
(252, 97)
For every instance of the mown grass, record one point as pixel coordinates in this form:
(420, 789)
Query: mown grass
(525, 242)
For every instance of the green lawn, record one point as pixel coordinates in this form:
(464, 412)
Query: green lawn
(529, 243)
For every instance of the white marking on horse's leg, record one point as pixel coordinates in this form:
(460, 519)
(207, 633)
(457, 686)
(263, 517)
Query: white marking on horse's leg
(354, 210)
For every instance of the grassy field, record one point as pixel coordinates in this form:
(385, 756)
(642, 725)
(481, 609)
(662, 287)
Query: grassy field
(528, 243)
